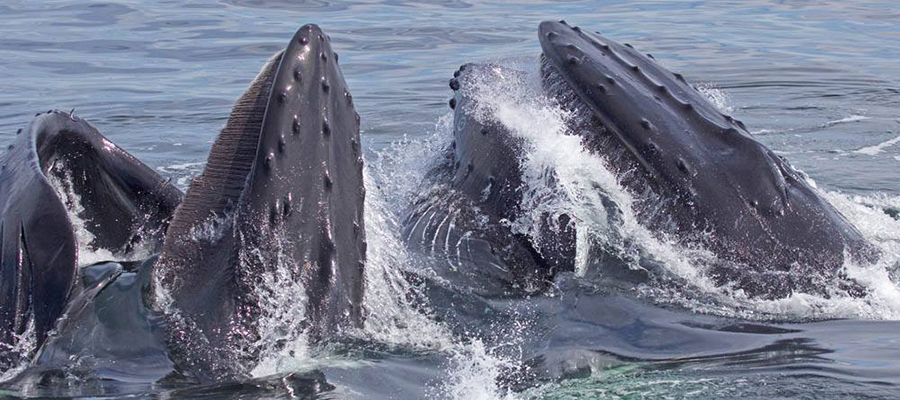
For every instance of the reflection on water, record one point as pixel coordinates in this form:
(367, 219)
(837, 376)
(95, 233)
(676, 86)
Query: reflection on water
(817, 82)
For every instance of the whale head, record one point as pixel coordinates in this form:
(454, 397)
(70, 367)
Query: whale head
(707, 180)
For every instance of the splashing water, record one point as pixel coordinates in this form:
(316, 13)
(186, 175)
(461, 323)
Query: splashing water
(393, 317)
(716, 96)
(61, 179)
(20, 352)
(394, 181)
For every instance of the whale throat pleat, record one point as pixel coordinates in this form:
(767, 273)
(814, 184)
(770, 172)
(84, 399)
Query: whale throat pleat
(217, 189)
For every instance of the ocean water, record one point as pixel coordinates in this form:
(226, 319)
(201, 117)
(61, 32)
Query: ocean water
(816, 82)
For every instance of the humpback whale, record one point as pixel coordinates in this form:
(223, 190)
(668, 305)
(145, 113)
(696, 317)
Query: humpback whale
(697, 175)
(698, 172)
(283, 191)
(282, 188)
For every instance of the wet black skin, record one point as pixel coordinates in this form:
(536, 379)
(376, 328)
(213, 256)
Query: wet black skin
(124, 204)
(473, 191)
(282, 186)
(698, 173)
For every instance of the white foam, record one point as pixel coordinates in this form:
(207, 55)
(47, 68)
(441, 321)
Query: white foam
(20, 352)
(181, 166)
(878, 148)
(716, 96)
(474, 375)
(393, 182)
(391, 317)
(282, 343)
(852, 118)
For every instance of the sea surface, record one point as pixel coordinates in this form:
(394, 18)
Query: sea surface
(817, 82)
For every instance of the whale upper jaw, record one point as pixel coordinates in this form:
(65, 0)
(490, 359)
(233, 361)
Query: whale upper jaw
(282, 191)
(713, 182)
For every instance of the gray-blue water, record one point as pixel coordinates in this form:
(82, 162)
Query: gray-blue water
(818, 82)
